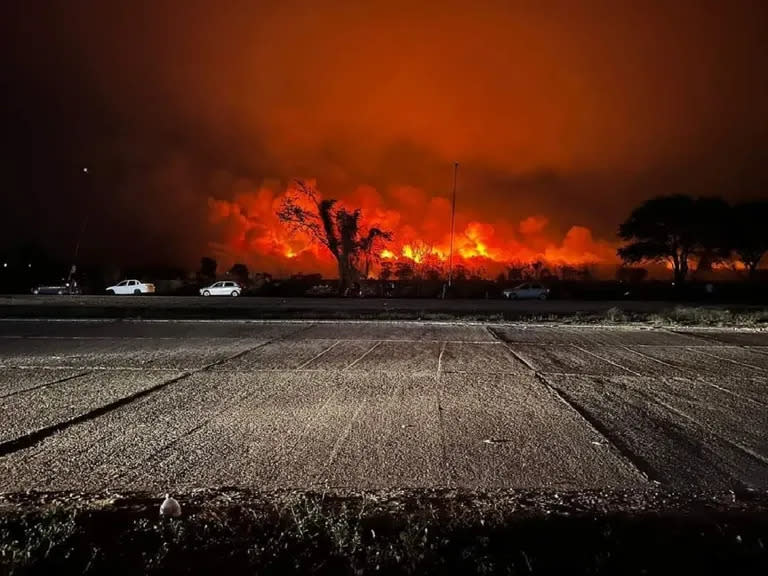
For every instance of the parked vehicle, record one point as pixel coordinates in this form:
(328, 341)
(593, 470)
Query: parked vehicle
(60, 288)
(321, 290)
(527, 291)
(131, 287)
(223, 288)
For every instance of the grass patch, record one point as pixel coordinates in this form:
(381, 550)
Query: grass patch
(507, 533)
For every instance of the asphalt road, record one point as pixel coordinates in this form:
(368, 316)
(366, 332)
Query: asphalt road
(174, 406)
(198, 307)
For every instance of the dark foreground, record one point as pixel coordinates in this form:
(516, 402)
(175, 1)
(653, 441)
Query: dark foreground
(260, 308)
(411, 447)
(236, 532)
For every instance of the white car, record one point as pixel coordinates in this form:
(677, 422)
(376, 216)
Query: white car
(527, 291)
(131, 287)
(223, 288)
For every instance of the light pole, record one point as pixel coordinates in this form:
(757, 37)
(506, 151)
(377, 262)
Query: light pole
(453, 223)
(73, 269)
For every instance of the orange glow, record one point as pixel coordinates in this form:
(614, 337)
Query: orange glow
(249, 231)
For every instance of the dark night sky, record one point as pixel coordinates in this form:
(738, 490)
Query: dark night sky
(570, 110)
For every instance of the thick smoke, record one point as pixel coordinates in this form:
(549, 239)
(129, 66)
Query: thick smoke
(195, 115)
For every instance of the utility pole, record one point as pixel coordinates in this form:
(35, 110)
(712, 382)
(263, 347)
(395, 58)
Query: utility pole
(453, 225)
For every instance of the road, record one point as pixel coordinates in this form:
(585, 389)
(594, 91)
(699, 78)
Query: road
(174, 406)
(198, 307)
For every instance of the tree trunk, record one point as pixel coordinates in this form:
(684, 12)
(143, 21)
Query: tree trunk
(348, 274)
(752, 270)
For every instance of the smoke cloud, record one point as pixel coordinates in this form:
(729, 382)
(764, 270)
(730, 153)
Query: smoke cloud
(195, 116)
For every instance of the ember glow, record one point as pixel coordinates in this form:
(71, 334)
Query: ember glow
(249, 231)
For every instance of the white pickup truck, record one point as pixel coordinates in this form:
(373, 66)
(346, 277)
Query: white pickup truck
(131, 287)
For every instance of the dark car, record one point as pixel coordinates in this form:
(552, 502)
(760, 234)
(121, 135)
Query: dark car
(60, 288)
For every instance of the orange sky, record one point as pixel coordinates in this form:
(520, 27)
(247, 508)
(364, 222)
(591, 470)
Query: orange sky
(561, 111)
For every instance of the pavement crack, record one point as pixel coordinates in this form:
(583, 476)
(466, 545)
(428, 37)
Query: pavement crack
(606, 360)
(32, 438)
(331, 347)
(625, 453)
(59, 381)
(35, 437)
(622, 450)
(736, 362)
(440, 419)
(711, 432)
(371, 349)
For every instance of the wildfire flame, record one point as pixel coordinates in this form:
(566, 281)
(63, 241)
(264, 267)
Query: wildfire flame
(246, 229)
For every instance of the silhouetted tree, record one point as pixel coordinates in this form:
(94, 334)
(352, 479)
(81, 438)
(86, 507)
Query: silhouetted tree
(385, 273)
(338, 229)
(460, 273)
(404, 271)
(749, 234)
(240, 273)
(207, 268)
(675, 229)
(515, 271)
(631, 274)
(711, 224)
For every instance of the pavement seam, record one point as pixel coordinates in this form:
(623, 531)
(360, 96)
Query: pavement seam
(331, 347)
(605, 360)
(748, 451)
(705, 338)
(339, 441)
(622, 451)
(32, 438)
(699, 379)
(59, 381)
(736, 362)
(371, 349)
(440, 420)
(733, 393)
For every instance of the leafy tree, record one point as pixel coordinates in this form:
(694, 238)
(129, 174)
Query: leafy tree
(675, 229)
(749, 234)
(336, 228)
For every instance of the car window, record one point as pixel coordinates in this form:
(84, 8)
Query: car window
(123, 283)
(217, 285)
(536, 286)
(524, 286)
(132, 283)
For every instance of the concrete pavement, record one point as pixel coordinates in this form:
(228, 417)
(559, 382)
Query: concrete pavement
(158, 406)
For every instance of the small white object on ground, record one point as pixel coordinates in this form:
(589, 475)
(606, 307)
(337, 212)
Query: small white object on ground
(170, 507)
